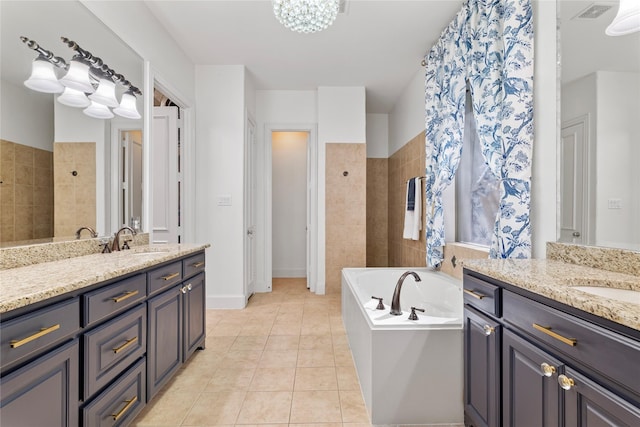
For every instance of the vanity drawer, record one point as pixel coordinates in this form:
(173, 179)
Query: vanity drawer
(482, 295)
(28, 335)
(119, 404)
(112, 299)
(112, 347)
(164, 277)
(193, 265)
(597, 348)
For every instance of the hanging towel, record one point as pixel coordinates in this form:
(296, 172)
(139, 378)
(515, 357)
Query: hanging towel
(413, 218)
(411, 194)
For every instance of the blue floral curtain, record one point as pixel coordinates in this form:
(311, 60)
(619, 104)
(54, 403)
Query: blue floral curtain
(490, 45)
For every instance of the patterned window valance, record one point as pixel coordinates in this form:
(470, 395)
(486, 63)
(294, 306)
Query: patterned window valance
(489, 44)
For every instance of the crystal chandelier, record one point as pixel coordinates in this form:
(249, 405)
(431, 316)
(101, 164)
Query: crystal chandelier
(306, 16)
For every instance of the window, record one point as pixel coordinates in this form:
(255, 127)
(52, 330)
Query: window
(477, 191)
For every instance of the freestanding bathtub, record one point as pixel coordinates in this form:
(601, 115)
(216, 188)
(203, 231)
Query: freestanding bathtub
(410, 371)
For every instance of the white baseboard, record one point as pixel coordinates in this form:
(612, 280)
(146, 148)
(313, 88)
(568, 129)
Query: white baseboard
(232, 302)
(289, 272)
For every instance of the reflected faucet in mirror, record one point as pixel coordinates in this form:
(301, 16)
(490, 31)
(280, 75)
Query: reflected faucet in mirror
(92, 232)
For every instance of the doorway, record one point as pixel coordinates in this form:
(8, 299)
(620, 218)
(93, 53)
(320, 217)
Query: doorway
(290, 204)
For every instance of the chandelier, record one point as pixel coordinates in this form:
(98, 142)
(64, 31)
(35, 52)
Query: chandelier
(87, 82)
(306, 16)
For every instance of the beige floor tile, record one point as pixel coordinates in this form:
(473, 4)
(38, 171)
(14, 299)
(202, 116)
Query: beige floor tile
(347, 378)
(308, 379)
(316, 425)
(315, 328)
(279, 359)
(315, 407)
(241, 359)
(258, 328)
(249, 343)
(193, 380)
(286, 328)
(167, 409)
(273, 379)
(315, 359)
(219, 343)
(230, 379)
(282, 342)
(225, 330)
(353, 407)
(263, 407)
(343, 358)
(215, 408)
(316, 342)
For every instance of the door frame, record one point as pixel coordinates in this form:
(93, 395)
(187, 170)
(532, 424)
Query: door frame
(266, 248)
(250, 193)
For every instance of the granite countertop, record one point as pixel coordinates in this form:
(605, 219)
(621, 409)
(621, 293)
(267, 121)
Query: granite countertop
(556, 280)
(22, 286)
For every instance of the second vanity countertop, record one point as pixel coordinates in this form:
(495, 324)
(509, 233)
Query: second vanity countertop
(22, 286)
(557, 280)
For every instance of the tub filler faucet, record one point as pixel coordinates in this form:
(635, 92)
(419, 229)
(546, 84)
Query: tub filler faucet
(395, 301)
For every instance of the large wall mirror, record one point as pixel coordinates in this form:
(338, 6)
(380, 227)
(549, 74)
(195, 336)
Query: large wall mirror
(599, 153)
(59, 168)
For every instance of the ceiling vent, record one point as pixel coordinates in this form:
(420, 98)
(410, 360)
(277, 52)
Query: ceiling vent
(343, 6)
(592, 12)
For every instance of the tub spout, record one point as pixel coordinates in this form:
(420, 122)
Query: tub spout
(395, 301)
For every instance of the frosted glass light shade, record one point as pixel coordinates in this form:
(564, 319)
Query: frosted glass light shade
(127, 108)
(627, 20)
(98, 111)
(306, 16)
(74, 98)
(105, 94)
(43, 78)
(77, 77)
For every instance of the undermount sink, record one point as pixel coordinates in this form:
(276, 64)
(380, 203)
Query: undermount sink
(149, 251)
(624, 295)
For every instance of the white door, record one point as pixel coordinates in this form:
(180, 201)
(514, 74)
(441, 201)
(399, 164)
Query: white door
(308, 227)
(573, 196)
(164, 175)
(250, 271)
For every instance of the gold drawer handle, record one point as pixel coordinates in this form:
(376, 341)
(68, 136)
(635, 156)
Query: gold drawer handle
(547, 370)
(565, 382)
(170, 276)
(547, 330)
(488, 330)
(43, 332)
(129, 404)
(124, 296)
(126, 344)
(474, 294)
(197, 264)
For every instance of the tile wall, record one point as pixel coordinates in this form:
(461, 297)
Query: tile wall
(26, 192)
(406, 163)
(377, 212)
(74, 195)
(345, 220)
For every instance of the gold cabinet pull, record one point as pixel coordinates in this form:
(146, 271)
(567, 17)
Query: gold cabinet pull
(474, 294)
(488, 330)
(547, 370)
(197, 264)
(170, 276)
(547, 330)
(43, 332)
(129, 404)
(565, 382)
(126, 344)
(124, 296)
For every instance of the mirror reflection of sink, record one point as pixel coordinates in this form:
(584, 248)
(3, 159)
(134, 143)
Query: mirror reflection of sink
(624, 295)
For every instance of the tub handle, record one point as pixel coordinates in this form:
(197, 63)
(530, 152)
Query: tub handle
(380, 304)
(413, 315)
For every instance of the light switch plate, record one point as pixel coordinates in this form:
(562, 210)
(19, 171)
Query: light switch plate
(614, 203)
(224, 200)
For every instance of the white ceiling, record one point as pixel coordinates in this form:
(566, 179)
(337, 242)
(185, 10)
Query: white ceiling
(376, 44)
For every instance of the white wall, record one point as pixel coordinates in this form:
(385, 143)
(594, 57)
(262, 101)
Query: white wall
(219, 172)
(377, 136)
(26, 116)
(289, 181)
(407, 120)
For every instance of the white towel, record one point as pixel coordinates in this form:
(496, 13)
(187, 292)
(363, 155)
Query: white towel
(413, 219)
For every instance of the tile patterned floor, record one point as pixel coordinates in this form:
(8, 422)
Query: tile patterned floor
(283, 360)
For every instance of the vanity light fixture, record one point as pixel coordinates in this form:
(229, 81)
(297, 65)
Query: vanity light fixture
(627, 20)
(85, 74)
(306, 16)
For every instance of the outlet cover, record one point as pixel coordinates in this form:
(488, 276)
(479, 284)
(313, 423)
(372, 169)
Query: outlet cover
(224, 200)
(614, 203)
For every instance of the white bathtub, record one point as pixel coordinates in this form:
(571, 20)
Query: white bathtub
(410, 371)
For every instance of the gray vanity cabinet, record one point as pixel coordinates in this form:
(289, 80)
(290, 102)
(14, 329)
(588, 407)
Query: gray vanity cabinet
(194, 300)
(556, 365)
(43, 393)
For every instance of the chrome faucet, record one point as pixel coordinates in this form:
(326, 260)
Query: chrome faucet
(116, 239)
(91, 230)
(395, 301)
